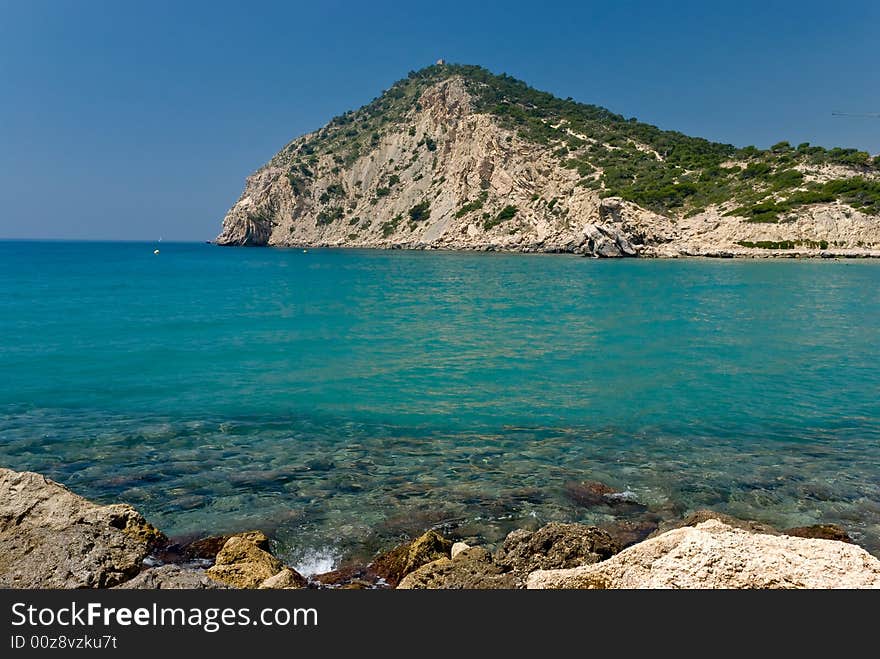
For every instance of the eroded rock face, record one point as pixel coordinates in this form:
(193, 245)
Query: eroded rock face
(470, 167)
(52, 538)
(474, 163)
(713, 554)
(244, 563)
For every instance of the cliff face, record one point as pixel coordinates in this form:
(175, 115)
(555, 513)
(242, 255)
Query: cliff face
(428, 166)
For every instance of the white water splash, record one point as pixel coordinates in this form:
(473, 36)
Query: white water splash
(316, 561)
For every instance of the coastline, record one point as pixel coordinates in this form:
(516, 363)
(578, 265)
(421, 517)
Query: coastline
(52, 538)
(652, 254)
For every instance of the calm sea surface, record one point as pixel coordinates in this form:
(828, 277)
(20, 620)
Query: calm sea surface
(342, 398)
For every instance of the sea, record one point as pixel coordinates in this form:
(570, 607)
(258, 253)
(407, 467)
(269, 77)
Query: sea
(343, 400)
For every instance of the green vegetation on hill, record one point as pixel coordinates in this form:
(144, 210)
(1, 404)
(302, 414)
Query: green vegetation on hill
(666, 171)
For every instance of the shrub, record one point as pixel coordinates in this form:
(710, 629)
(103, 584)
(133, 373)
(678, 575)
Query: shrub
(471, 206)
(506, 213)
(329, 215)
(756, 170)
(768, 244)
(420, 212)
(390, 226)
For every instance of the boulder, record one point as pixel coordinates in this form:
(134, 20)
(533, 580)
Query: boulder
(713, 554)
(400, 561)
(606, 242)
(243, 562)
(286, 579)
(553, 546)
(168, 577)
(53, 538)
(470, 569)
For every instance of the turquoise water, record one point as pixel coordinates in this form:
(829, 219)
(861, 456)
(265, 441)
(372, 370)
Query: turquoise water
(341, 398)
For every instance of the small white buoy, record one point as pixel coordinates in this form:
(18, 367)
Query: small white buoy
(155, 251)
(305, 251)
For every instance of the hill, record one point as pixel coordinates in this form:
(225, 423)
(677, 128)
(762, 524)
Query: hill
(456, 157)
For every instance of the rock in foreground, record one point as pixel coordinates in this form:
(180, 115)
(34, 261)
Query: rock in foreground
(553, 546)
(171, 577)
(471, 569)
(715, 555)
(52, 538)
(400, 561)
(245, 562)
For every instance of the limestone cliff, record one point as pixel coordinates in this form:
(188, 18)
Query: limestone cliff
(456, 158)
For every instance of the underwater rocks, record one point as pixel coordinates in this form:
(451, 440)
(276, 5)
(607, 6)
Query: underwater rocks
(713, 554)
(700, 516)
(53, 538)
(590, 494)
(821, 532)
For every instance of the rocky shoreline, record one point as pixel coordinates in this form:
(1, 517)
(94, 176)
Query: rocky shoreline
(53, 538)
(745, 253)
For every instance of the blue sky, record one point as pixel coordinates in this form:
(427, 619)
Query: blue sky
(123, 120)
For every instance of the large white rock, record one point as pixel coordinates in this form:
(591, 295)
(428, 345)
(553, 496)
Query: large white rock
(715, 555)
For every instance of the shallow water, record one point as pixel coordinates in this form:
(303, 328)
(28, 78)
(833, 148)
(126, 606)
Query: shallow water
(343, 398)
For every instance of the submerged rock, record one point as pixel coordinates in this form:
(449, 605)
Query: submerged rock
(53, 538)
(199, 550)
(628, 532)
(400, 561)
(713, 554)
(700, 516)
(821, 532)
(590, 494)
(244, 562)
(343, 577)
(168, 577)
(470, 569)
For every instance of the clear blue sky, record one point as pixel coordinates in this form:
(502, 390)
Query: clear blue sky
(124, 120)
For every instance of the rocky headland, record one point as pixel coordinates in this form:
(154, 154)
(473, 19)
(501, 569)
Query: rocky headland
(53, 538)
(454, 157)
